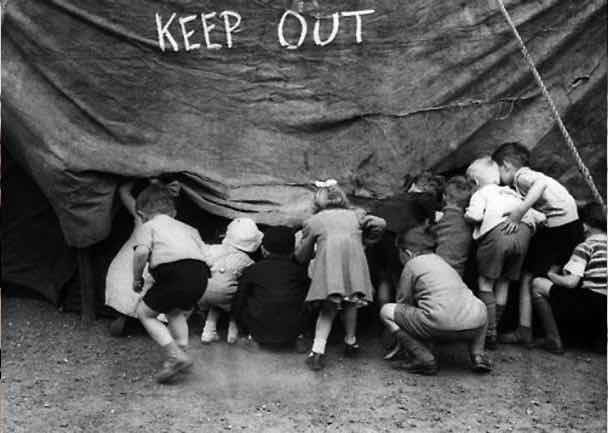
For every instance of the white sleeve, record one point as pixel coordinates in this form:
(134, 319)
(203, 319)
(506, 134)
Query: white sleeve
(477, 207)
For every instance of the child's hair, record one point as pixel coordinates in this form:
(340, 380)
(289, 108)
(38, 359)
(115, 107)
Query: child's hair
(593, 215)
(513, 152)
(458, 190)
(418, 239)
(484, 171)
(155, 199)
(428, 182)
(330, 197)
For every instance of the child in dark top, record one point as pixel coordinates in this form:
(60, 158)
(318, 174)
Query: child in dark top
(552, 245)
(453, 233)
(269, 303)
(174, 252)
(576, 297)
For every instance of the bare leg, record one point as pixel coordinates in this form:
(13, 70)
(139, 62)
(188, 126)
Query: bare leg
(476, 345)
(323, 328)
(486, 294)
(210, 330)
(349, 320)
(156, 329)
(387, 314)
(178, 326)
(525, 301)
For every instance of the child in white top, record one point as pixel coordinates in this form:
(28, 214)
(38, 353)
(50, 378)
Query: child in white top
(500, 254)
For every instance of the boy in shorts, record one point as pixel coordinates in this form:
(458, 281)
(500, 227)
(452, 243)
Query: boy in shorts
(552, 245)
(500, 255)
(174, 252)
(433, 304)
(576, 297)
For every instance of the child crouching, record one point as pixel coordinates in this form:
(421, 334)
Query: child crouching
(433, 304)
(173, 251)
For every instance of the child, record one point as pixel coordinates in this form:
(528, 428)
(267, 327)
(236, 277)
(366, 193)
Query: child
(500, 254)
(340, 275)
(270, 299)
(119, 292)
(552, 245)
(173, 251)
(576, 297)
(227, 260)
(454, 239)
(433, 304)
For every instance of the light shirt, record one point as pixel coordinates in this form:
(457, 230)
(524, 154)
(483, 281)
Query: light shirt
(489, 204)
(588, 262)
(226, 264)
(170, 240)
(556, 202)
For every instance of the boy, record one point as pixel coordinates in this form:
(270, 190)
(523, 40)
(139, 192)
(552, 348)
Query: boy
(433, 304)
(174, 252)
(552, 245)
(454, 238)
(270, 299)
(500, 255)
(576, 297)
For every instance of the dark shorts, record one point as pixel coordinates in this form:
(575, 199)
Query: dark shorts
(553, 246)
(177, 285)
(502, 255)
(579, 313)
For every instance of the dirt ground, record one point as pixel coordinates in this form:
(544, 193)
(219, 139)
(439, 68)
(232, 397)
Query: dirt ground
(58, 377)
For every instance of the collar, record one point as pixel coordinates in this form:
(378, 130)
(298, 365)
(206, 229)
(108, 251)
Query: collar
(452, 207)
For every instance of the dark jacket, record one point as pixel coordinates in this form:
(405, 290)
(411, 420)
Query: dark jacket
(270, 300)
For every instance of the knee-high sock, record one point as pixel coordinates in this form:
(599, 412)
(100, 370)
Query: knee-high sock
(489, 299)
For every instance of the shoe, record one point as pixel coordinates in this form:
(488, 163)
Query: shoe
(395, 353)
(315, 361)
(209, 337)
(351, 350)
(519, 336)
(417, 366)
(118, 325)
(175, 362)
(491, 342)
(302, 345)
(551, 346)
(481, 363)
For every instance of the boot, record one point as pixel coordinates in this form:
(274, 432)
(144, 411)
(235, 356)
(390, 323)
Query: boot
(481, 363)
(421, 360)
(315, 361)
(175, 361)
(553, 342)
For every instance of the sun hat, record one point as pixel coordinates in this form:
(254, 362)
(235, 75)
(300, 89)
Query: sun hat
(243, 234)
(279, 240)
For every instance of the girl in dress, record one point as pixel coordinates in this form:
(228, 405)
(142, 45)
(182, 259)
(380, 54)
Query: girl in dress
(335, 235)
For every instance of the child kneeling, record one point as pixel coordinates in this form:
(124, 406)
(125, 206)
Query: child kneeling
(174, 253)
(433, 304)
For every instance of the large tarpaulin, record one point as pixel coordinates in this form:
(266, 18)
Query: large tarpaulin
(89, 97)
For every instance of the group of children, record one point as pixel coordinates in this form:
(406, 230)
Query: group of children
(523, 225)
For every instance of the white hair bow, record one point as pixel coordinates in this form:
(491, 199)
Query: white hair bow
(325, 184)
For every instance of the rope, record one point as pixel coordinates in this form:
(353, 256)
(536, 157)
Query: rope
(579, 162)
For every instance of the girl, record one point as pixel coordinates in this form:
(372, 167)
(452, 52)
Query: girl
(119, 280)
(227, 260)
(340, 275)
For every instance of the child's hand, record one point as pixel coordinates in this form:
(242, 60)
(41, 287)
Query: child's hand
(514, 218)
(138, 285)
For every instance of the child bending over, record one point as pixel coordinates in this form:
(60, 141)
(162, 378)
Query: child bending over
(500, 253)
(550, 246)
(173, 251)
(340, 274)
(576, 296)
(433, 304)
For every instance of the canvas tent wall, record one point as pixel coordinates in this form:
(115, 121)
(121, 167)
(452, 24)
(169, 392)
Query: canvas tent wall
(88, 98)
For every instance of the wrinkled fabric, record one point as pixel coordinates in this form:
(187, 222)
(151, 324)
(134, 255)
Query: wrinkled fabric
(89, 98)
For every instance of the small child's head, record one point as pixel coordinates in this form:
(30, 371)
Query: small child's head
(484, 171)
(414, 242)
(329, 196)
(593, 217)
(427, 182)
(510, 157)
(278, 241)
(457, 192)
(156, 199)
(244, 235)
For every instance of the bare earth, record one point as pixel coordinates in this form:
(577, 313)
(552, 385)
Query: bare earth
(59, 377)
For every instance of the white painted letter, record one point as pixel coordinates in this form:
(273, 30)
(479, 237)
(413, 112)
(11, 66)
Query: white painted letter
(206, 29)
(230, 28)
(303, 30)
(187, 34)
(357, 15)
(163, 32)
(335, 25)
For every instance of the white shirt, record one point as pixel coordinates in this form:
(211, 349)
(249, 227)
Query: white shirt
(170, 240)
(490, 203)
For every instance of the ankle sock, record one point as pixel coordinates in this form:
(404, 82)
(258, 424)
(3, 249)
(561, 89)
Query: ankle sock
(318, 345)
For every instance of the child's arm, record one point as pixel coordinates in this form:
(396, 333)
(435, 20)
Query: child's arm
(534, 194)
(126, 197)
(373, 228)
(140, 258)
(566, 280)
(306, 247)
(476, 209)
